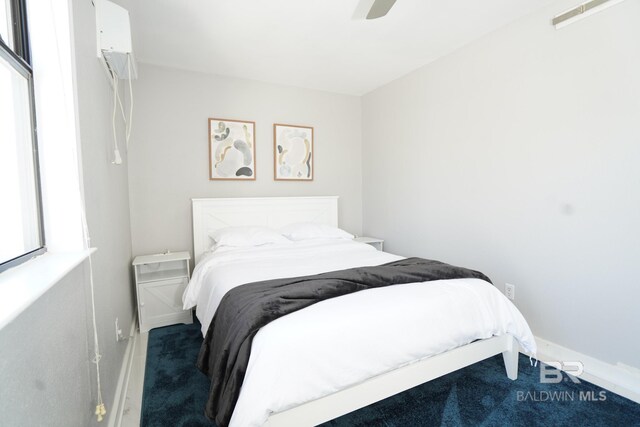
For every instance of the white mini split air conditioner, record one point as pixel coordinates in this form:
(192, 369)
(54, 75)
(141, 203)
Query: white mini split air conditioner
(116, 54)
(114, 39)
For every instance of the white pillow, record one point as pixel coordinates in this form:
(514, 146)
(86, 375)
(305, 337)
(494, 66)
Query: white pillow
(312, 230)
(245, 236)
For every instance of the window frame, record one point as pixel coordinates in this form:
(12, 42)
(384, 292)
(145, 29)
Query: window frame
(20, 59)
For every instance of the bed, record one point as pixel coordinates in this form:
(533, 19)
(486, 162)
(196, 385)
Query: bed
(344, 353)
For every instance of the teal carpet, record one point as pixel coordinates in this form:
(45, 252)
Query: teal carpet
(175, 393)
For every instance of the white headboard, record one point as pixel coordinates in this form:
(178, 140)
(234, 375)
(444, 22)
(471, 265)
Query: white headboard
(212, 214)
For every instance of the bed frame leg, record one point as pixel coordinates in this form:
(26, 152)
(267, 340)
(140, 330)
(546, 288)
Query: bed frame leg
(511, 360)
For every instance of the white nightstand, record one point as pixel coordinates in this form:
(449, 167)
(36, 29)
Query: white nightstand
(376, 243)
(160, 283)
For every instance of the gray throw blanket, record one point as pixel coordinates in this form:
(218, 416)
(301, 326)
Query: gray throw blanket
(224, 355)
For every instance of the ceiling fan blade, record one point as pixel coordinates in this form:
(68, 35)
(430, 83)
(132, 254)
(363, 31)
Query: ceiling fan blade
(372, 9)
(380, 8)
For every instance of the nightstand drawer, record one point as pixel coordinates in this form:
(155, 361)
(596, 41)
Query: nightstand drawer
(158, 297)
(161, 303)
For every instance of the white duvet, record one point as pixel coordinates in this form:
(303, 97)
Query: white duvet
(343, 341)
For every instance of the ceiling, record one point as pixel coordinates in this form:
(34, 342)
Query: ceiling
(311, 43)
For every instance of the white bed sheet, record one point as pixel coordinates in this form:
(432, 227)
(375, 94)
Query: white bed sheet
(226, 268)
(329, 346)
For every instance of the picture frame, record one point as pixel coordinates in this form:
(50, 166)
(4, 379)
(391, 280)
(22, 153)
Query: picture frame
(292, 152)
(232, 150)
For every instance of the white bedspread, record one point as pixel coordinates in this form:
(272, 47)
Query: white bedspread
(343, 341)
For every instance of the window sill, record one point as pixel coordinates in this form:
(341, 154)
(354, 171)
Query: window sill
(21, 286)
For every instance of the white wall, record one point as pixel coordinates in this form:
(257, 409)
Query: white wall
(106, 199)
(519, 155)
(44, 362)
(169, 149)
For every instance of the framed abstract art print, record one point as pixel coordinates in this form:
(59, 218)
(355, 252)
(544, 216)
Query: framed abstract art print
(232, 150)
(293, 152)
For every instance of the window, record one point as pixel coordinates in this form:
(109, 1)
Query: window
(21, 231)
(5, 23)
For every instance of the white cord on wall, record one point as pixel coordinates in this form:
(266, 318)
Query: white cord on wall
(117, 159)
(101, 411)
(130, 123)
(116, 153)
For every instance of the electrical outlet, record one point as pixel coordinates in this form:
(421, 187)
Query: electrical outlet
(510, 291)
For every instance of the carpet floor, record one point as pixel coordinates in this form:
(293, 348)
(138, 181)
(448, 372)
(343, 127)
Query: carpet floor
(175, 392)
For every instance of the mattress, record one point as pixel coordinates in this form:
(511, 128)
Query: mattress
(344, 341)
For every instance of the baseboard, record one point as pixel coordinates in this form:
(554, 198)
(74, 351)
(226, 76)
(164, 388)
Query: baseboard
(620, 379)
(116, 412)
